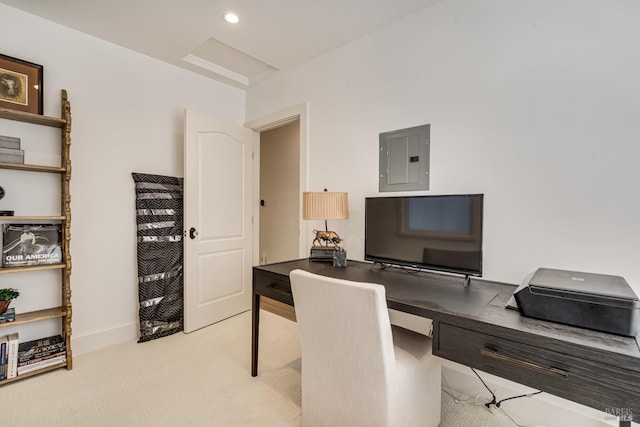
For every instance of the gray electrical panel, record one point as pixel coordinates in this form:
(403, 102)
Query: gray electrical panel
(404, 159)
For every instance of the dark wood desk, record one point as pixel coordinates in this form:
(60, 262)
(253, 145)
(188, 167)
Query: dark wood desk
(472, 327)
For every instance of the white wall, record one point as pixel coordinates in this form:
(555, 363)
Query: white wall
(533, 103)
(127, 114)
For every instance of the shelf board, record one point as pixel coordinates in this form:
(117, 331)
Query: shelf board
(8, 270)
(36, 316)
(32, 218)
(32, 118)
(32, 168)
(32, 373)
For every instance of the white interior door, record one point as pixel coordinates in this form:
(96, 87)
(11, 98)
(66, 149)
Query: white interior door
(218, 208)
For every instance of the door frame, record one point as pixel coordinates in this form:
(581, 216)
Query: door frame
(271, 121)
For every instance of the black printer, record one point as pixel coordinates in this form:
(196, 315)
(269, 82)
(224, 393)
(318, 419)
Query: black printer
(594, 301)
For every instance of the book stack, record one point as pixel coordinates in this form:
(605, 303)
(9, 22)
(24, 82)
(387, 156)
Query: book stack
(10, 151)
(8, 316)
(42, 353)
(9, 356)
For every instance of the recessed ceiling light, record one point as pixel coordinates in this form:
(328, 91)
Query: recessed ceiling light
(231, 18)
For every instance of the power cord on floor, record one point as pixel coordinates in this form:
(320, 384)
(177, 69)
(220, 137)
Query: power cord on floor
(455, 395)
(516, 397)
(495, 404)
(493, 396)
(492, 405)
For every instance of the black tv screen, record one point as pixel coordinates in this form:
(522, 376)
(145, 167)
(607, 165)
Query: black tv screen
(442, 233)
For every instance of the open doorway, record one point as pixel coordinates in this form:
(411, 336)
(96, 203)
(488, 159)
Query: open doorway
(279, 193)
(282, 162)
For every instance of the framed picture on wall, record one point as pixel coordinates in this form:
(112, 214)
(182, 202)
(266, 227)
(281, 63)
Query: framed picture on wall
(20, 85)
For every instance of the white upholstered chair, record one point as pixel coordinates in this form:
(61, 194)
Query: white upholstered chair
(358, 370)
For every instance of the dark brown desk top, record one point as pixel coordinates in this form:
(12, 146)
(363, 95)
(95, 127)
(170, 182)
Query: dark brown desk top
(444, 298)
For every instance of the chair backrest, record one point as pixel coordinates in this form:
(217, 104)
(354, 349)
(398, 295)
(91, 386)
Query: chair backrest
(348, 361)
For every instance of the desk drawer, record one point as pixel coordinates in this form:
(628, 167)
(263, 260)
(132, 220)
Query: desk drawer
(274, 287)
(591, 383)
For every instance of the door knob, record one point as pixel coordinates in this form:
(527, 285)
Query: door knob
(193, 233)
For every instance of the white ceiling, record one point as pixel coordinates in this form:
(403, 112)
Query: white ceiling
(272, 36)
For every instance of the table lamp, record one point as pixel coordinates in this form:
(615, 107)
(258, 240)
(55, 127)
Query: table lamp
(325, 205)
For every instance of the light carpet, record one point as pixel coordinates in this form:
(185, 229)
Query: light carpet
(197, 379)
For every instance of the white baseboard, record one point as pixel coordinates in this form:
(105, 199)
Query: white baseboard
(540, 410)
(102, 339)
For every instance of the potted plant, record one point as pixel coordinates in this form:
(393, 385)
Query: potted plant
(6, 295)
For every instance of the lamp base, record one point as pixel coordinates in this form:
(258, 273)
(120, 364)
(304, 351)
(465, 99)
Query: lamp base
(321, 253)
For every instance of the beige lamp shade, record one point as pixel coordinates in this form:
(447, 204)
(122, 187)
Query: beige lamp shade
(325, 205)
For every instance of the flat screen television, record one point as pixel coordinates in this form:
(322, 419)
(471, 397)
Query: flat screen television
(442, 233)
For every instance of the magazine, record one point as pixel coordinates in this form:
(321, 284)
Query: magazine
(31, 244)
